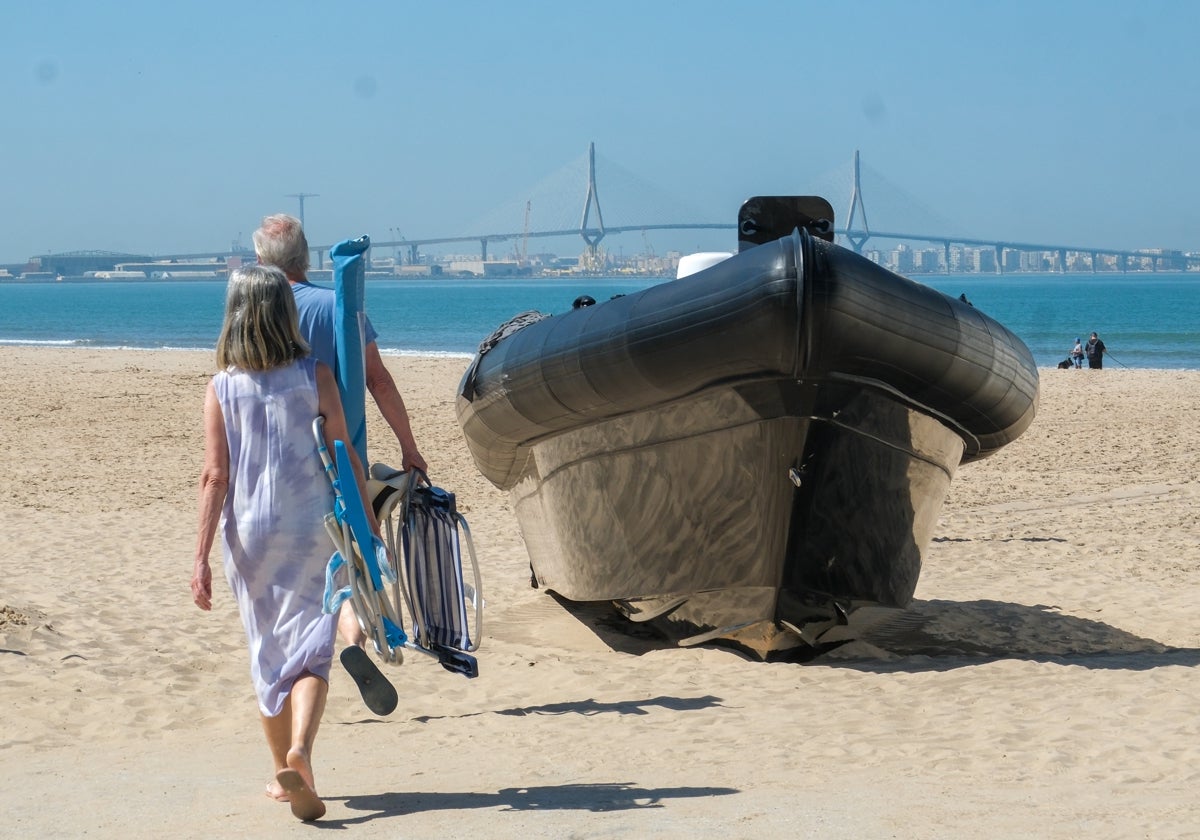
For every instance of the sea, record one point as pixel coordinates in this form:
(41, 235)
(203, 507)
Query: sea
(1147, 320)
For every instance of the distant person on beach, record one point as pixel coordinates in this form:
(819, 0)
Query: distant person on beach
(280, 241)
(1095, 350)
(1077, 353)
(264, 485)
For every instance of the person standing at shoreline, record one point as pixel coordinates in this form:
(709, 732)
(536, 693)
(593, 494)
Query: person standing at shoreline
(1077, 353)
(1095, 350)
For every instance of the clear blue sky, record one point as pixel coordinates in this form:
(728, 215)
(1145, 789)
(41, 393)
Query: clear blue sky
(173, 127)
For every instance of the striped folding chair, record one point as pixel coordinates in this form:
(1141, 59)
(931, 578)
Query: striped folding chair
(426, 534)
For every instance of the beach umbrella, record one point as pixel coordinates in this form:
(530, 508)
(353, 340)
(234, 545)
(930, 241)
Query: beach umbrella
(349, 274)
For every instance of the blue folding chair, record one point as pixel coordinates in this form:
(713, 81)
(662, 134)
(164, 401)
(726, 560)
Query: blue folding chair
(423, 574)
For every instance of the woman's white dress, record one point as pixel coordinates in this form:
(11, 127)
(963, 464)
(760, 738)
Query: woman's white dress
(272, 530)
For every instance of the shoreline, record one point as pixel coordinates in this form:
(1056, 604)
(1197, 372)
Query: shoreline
(70, 346)
(199, 277)
(397, 353)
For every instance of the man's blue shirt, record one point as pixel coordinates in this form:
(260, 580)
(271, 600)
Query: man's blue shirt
(317, 307)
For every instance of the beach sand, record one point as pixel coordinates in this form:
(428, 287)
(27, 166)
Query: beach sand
(1051, 689)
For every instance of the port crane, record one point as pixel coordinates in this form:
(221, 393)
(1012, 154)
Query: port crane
(524, 258)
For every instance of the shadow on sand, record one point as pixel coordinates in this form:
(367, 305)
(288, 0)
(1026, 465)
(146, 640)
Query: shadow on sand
(582, 797)
(590, 707)
(941, 635)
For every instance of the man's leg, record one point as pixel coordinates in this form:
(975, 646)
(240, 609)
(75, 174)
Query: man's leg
(348, 627)
(377, 692)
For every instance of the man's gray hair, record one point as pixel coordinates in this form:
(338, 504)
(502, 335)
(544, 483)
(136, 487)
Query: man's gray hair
(280, 241)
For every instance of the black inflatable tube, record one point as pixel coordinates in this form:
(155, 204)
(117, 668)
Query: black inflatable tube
(797, 307)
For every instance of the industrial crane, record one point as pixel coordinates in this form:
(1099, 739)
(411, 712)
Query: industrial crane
(524, 261)
(646, 242)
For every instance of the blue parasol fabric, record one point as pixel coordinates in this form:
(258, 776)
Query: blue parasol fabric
(349, 274)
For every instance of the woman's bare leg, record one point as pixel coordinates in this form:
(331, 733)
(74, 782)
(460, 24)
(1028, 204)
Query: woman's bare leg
(307, 705)
(278, 730)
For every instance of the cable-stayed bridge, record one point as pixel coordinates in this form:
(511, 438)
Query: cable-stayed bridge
(592, 198)
(569, 203)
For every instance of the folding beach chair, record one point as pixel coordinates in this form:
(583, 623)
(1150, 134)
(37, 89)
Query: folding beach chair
(426, 533)
(425, 579)
(423, 574)
(371, 576)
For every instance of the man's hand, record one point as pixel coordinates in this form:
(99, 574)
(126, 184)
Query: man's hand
(412, 458)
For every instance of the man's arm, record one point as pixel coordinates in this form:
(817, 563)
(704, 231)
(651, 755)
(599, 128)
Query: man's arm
(391, 405)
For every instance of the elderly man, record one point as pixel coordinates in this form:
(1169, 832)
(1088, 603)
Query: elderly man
(280, 241)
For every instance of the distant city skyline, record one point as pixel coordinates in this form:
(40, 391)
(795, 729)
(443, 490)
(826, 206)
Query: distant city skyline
(915, 262)
(174, 129)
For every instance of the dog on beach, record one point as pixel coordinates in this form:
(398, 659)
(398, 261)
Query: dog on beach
(1066, 364)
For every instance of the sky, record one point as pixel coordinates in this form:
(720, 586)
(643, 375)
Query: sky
(159, 128)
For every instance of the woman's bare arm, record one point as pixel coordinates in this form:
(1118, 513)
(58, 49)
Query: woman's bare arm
(214, 484)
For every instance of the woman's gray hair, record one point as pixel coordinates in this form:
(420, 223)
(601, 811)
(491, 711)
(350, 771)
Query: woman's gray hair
(261, 330)
(280, 241)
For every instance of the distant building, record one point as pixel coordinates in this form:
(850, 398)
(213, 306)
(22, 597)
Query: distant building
(930, 260)
(118, 274)
(210, 269)
(984, 260)
(904, 259)
(1167, 260)
(78, 263)
(433, 270)
(490, 268)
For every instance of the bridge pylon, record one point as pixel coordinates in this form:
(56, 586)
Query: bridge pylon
(857, 238)
(593, 197)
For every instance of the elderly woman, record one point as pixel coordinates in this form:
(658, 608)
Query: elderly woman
(264, 484)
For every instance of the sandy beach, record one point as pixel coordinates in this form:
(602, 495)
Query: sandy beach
(1050, 689)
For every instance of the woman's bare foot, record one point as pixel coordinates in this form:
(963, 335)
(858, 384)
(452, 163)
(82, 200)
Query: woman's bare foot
(306, 805)
(275, 791)
(297, 782)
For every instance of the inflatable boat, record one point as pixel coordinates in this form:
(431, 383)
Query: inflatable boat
(755, 453)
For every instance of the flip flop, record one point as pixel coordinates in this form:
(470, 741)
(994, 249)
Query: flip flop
(306, 805)
(377, 692)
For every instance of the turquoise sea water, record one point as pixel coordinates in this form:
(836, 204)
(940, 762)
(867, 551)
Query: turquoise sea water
(1146, 320)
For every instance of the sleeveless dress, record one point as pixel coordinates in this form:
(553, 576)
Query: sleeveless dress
(272, 530)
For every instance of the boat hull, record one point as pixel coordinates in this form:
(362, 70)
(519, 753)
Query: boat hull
(800, 501)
